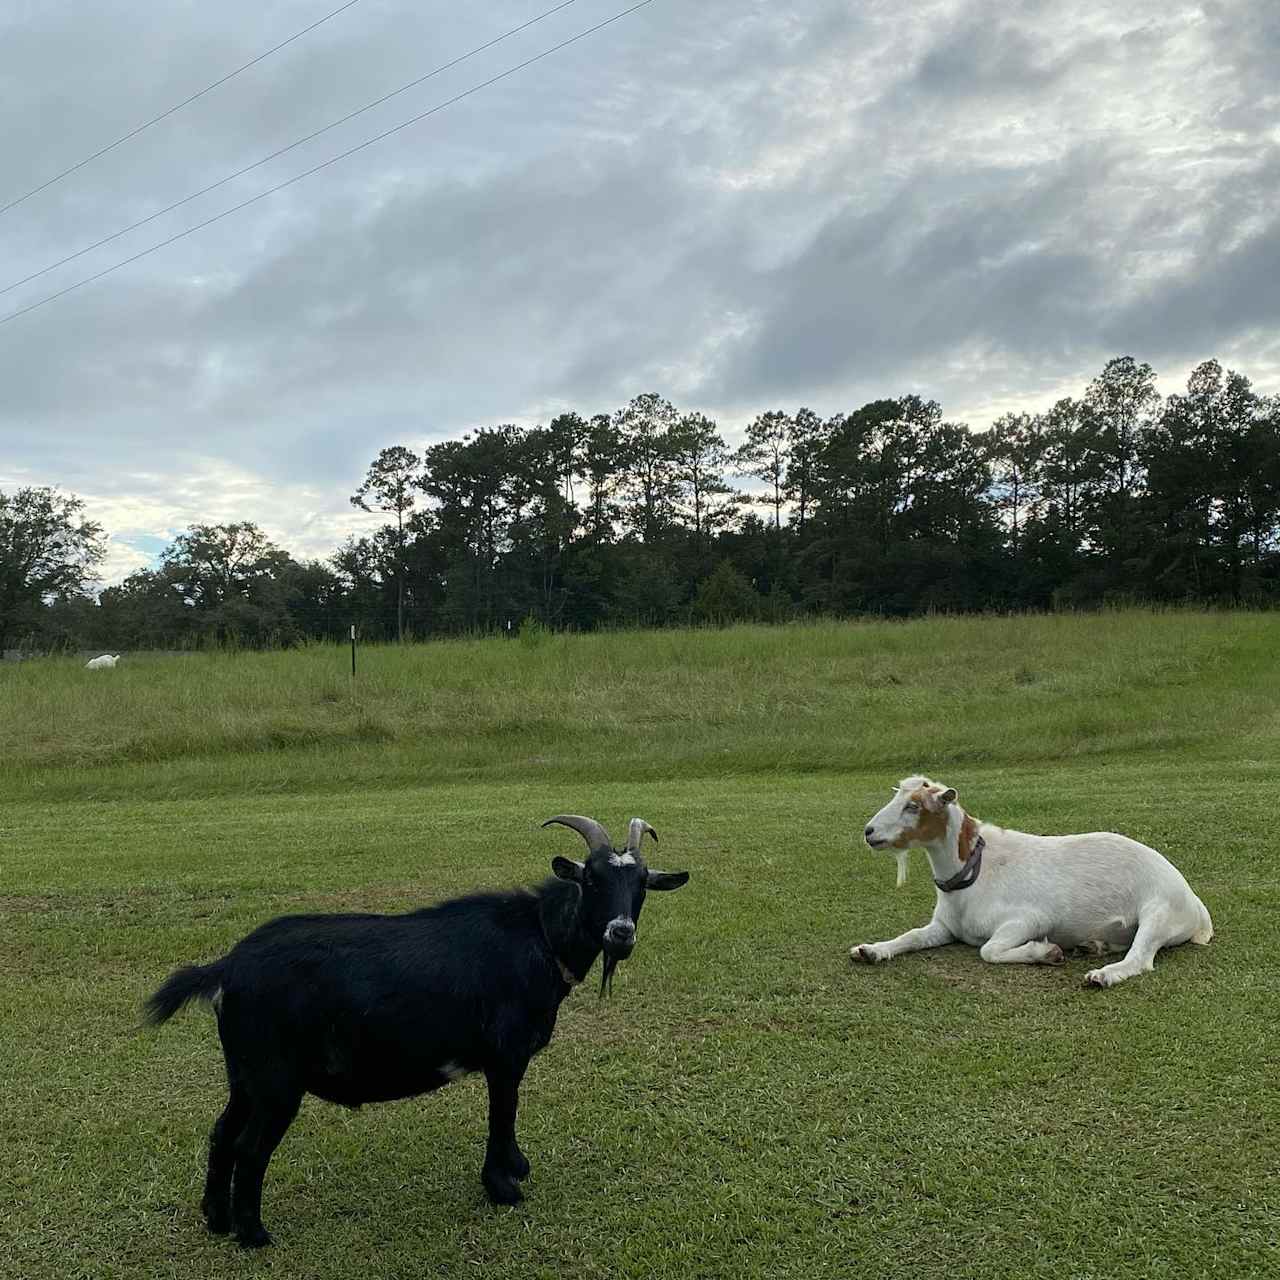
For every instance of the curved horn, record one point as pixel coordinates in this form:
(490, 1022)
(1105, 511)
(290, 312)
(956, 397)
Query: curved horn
(589, 829)
(638, 828)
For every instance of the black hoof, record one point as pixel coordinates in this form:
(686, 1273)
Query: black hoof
(518, 1166)
(254, 1238)
(501, 1188)
(216, 1217)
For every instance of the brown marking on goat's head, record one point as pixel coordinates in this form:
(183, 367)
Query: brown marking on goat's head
(968, 835)
(931, 819)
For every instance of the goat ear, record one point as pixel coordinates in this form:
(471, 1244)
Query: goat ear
(935, 798)
(567, 869)
(666, 879)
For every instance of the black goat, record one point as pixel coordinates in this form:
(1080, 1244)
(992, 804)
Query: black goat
(367, 1008)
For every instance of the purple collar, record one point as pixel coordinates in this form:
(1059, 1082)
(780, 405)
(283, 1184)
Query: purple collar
(964, 878)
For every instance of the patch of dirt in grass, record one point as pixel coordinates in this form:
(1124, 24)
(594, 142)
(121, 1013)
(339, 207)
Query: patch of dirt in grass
(962, 969)
(143, 905)
(26, 903)
(132, 902)
(19, 960)
(383, 899)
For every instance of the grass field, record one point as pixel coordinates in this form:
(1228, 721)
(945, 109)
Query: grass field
(748, 1104)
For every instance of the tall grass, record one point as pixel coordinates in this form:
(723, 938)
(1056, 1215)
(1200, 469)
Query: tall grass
(825, 696)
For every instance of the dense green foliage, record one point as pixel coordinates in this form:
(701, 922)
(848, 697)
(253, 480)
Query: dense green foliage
(47, 552)
(749, 1105)
(629, 519)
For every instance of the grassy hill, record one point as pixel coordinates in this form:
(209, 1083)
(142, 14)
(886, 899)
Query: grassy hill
(825, 697)
(748, 1104)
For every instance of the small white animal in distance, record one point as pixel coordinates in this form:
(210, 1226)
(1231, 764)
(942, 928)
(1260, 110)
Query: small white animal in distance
(102, 662)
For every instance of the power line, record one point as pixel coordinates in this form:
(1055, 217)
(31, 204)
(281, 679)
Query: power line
(257, 164)
(186, 102)
(262, 195)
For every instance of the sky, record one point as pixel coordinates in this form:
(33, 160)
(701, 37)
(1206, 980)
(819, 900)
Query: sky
(739, 204)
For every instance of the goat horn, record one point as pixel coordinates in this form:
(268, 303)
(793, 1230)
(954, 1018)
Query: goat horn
(589, 829)
(638, 828)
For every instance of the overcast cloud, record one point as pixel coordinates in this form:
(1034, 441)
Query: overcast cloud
(740, 205)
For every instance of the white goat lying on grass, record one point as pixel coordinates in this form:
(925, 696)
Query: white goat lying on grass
(102, 662)
(1024, 899)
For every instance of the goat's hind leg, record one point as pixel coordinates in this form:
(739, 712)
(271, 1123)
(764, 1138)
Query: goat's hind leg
(216, 1204)
(259, 1137)
(1157, 927)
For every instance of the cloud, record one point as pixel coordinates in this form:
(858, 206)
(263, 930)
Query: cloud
(143, 512)
(739, 205)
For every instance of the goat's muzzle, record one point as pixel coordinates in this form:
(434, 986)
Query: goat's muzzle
(620, 939)
(619, 942)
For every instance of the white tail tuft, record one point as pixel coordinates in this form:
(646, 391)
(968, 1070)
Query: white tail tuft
(1204, 934)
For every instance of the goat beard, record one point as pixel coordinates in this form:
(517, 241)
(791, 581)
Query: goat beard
(902, 868)
(608, 965)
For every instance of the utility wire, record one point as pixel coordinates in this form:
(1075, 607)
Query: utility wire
(186, 102)
(262, 195)
(257, 164)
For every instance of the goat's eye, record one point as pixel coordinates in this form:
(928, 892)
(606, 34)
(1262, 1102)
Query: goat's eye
(911, 808)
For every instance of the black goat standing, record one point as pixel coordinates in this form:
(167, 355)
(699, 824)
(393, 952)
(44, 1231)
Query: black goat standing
(367, 1008)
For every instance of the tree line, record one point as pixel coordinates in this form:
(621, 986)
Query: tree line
(633, 518)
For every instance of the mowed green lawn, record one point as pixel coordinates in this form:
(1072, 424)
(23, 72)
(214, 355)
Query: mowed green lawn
(748, 1104)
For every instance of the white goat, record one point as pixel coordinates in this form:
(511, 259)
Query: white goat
(1022, 899)
(102, 662)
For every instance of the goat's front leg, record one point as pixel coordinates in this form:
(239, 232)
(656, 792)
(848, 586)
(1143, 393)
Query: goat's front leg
(933, 934)
(504, 1162)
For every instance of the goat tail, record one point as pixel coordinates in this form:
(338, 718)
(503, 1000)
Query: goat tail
(1204, 933)
(192, 982)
